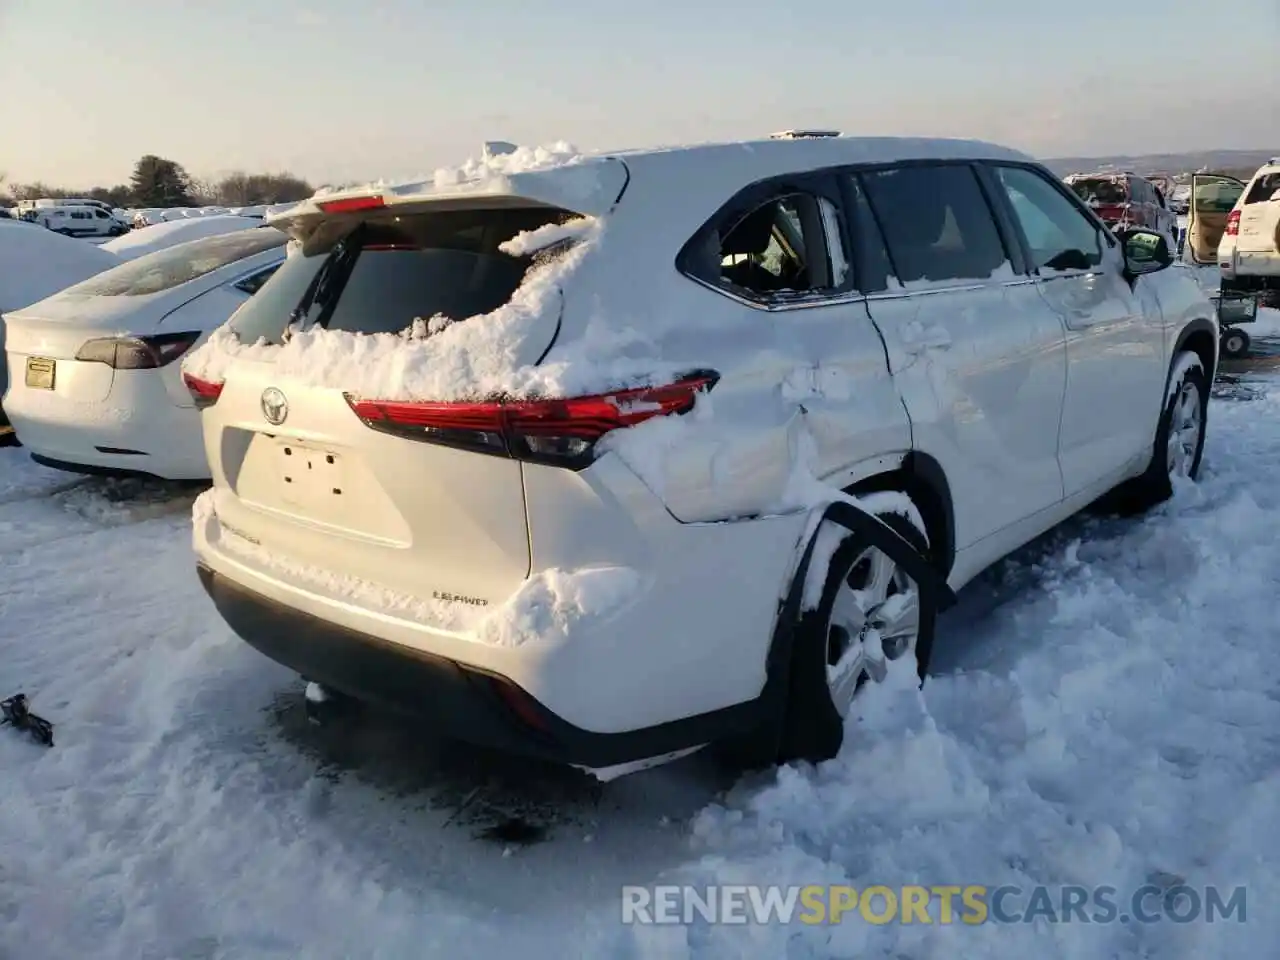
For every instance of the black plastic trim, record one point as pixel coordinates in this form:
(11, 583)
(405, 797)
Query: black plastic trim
(461, 701)
(87, 469)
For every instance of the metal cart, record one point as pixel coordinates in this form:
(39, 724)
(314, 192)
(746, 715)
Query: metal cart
(1234, 310)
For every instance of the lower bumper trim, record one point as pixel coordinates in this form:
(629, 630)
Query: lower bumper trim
(461, 701)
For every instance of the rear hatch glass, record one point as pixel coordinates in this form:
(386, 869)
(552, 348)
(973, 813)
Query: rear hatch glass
(384, 273)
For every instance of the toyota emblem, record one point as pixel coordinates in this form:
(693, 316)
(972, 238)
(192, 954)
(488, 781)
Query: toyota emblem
(274, 405)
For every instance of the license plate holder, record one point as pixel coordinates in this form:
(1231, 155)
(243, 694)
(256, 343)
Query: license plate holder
(41, 373)
(310, 476)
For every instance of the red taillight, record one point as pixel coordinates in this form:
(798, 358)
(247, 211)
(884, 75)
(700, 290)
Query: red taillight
(1233, 224)
(205, 393)
(561, 432)
(351, 204)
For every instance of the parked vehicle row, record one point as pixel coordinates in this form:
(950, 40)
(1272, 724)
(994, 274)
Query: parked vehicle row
(950, 334)
(94, 384)
(1125, 200)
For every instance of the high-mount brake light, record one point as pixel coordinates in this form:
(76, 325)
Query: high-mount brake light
(137, 353)
(205, 393)
(351, 204)
(558, 432)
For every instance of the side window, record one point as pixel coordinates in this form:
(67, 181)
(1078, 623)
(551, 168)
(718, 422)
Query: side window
(1060, 236)
(1266, 187)
(936, 222)
(100, 213)
(870, 256)
(775, 250)
(252, 284)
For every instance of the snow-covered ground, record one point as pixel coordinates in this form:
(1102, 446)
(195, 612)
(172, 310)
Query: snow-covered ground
(1105, 711)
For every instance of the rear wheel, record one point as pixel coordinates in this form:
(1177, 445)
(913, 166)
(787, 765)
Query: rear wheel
(870, 614)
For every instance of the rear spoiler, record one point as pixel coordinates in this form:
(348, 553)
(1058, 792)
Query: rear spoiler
(591, 187)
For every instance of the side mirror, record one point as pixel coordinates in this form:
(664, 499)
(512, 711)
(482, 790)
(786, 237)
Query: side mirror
(1145, 251)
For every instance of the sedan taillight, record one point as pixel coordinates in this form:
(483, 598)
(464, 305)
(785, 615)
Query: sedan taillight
(137, 353)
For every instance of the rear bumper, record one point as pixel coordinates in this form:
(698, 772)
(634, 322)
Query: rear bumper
(135, 429)
(1259, 269)
(461, 701)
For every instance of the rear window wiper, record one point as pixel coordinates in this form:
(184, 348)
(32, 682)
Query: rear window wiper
(329, 278)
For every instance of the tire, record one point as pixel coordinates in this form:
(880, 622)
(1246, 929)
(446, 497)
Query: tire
(1155, 486)
(1235, 343)
(813, 721)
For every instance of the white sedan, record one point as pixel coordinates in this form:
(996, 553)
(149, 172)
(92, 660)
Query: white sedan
(93, 383)
(149, 239)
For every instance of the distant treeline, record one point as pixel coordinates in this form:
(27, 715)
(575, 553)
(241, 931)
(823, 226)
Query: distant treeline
(157, 182)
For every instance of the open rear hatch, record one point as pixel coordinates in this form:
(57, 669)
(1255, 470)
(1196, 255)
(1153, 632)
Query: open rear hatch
(395, 499)
(1209, 214)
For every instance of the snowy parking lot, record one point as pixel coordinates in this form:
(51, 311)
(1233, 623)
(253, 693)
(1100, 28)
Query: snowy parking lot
(1104, 711)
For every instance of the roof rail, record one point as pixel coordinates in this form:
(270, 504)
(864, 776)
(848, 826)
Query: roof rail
(803, 134)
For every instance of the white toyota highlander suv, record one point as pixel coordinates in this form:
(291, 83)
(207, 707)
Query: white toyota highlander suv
(602, 459)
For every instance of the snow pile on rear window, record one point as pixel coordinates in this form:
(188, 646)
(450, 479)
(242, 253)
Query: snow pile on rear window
(491, 355)
(532, 241)
(478, 357)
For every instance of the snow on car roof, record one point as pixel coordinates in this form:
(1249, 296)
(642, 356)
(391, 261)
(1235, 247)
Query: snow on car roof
(675, 189)
(590, 183)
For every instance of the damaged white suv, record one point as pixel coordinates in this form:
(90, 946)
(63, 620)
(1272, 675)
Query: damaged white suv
(601, 459)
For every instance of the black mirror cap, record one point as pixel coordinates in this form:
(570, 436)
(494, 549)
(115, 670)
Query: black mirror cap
(1145, 251)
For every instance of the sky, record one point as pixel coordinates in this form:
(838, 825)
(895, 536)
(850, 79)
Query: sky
(337, 90)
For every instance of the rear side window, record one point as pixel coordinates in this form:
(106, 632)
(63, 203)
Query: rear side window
(936, 222)
(179, 264)
(385, 273)
(1264, 188)
(782, 247)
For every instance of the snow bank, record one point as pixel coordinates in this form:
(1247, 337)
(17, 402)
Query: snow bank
(172, 232)
(1103, 710)
(36, 263)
